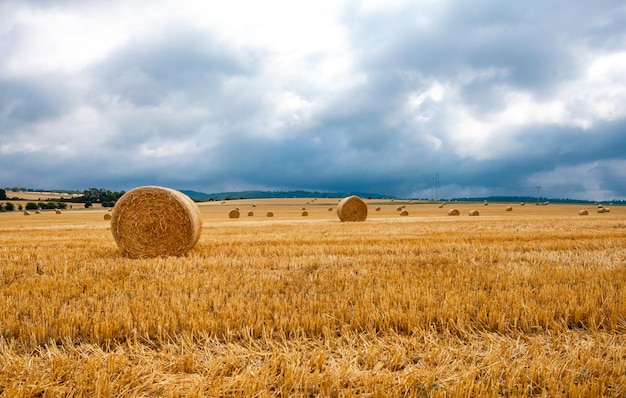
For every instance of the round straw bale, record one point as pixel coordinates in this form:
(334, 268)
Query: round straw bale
(474, 213)
(600, 206)
(57, 211)
(399, 208)
(453, 212)
(330, 209)
(583, 213)
(377, 208)
(404, 213)
(234, 213)
(37, 211)
(152, 221)
(304, 208)
(607, 210)
(352, 208)
(27, 213)
(305, 213)
(250, 213)
(253, 205)
(107, 216)
(521, 204)
(441, 206)
(509, 208)
(601, 209)
(270, 214)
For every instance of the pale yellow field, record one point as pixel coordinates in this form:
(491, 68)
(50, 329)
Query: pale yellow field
(524, 303)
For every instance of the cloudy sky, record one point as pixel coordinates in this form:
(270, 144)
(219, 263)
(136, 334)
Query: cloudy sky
(496, 97)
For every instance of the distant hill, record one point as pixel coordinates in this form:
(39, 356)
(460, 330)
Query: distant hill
(203, 197)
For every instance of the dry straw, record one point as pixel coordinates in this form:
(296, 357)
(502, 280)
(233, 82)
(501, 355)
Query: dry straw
(234, 213)
(583, 213)
(352, 208)
(250, 214)
(305, 213)
(107, 216)
(377, 208)
(152, 221)
(453, 212)
(404, 213)
(27, 213)
(270, 214)
(57, 211)
(474, 213)
(509, 208)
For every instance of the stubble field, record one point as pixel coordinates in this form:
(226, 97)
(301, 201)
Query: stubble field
(529, 302)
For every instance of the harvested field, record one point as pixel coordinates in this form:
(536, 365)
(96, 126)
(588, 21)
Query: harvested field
(529, 302)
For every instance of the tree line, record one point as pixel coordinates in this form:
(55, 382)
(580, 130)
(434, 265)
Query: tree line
(88, 197)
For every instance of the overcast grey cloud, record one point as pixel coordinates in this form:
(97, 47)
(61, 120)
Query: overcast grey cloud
(375, 96)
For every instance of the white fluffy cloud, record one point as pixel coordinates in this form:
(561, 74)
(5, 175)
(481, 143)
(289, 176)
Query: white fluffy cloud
(339, 96)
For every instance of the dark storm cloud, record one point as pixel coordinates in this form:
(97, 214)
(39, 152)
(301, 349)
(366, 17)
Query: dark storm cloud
(494, 96)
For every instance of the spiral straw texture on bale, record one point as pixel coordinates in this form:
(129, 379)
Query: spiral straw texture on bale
(154, 221)
(352, 208)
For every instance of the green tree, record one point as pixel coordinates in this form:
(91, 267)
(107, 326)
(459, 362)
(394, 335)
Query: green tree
(88, 204)
(9, 206)
(32, 206)
(3, 194)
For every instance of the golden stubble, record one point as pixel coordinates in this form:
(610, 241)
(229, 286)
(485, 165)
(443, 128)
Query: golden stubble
(433, 305)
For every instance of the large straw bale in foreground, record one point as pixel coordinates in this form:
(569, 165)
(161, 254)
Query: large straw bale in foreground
(154, 221)
(352, 208)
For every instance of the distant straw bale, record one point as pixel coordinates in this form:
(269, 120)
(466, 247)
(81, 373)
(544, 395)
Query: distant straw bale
(377, 208)
(404, 213)
(509, 208)
(107, 216)
(601, 210)
(352, 208)
(57, 211)
(521, 204)
(453, 212)
(330, 209)
(250, 213)
(474, 213)
(270, 214)
(27, 213)
(305, 213)
(234, 213)
(583, 213)
(37, 211)
(399, 208)
(152, 221)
